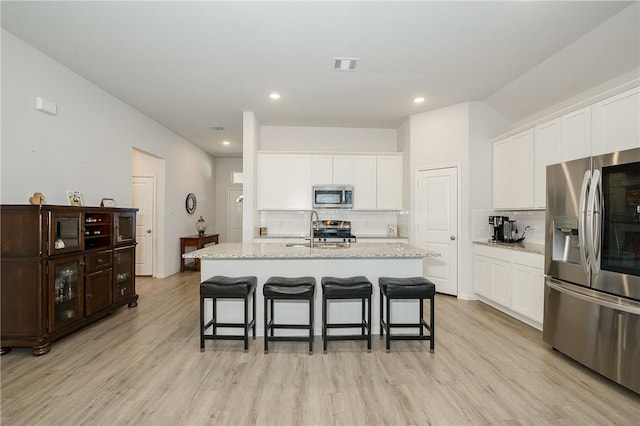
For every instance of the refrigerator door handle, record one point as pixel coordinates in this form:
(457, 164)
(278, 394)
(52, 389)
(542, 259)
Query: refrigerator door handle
(594, 206)
(582, 212)
(598, 298)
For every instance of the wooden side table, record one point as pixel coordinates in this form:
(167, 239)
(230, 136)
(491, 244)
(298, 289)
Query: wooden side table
(198, 242)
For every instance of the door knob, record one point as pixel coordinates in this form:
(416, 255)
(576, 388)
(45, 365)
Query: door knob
(452, 238)
(148, 231)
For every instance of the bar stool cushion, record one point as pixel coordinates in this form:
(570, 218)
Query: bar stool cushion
(299, 287)
(221, 286)
(346, 287)
(414, 287)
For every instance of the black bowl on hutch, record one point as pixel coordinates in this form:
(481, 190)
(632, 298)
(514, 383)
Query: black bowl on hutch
(63, 267)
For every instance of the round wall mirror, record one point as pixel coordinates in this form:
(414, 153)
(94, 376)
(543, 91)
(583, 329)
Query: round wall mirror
(190, 204)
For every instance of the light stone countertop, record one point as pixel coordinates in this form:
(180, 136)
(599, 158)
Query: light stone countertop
(280, 251)
(526, 247)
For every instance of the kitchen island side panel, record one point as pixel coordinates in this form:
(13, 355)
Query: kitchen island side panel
(291, 312)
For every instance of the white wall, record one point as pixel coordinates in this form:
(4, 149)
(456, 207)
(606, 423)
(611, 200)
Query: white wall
(327, 139)
(250, 146)
(224, 167)
(88, 145)
(459, 135)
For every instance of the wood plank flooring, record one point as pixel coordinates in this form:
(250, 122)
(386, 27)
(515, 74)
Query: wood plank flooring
(143, 366)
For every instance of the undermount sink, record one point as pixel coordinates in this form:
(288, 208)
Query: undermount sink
(319, 245)
(298, 245)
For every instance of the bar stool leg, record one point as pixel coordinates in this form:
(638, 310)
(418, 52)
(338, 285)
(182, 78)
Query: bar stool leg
(214, 330)
(432, 324)
(201, 324)
(421, 317)
(381, 313)
(266, 325)
(310, 326)
(246, 324)
(253, 314)
(369, 324)
(324, 324)
(388, 326)
(271, 302)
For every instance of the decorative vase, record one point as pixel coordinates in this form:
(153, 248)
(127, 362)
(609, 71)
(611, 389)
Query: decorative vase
(201, 226)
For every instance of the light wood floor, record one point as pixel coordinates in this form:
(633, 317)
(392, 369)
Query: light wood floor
(144, 366)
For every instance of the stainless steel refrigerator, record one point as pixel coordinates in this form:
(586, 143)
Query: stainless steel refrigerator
(592, 263)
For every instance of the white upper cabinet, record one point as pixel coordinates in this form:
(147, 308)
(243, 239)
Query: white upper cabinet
(389, 178)
(576, 134)
(513, 171)
(298, 182)
(364, 182)
(617, 122)
(285, 180)
(610, 125)
(546, 151)
(321, 169)
(343, 169)
(271, 181)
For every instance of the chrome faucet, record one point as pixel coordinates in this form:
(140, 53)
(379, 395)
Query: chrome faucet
(313, 212)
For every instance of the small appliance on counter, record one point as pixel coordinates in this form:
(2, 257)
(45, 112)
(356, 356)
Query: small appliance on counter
(497, 227)
(332, 231)
(504, 230)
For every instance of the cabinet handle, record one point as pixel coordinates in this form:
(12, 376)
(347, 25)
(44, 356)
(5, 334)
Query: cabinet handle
(452, 238)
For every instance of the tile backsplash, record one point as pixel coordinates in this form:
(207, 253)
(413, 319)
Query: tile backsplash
(363, 223)
(480, 229)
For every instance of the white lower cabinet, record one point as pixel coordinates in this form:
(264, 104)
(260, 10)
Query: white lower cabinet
(527, 291)
(511, 281)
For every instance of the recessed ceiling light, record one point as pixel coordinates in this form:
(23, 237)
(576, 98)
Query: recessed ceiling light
(345, 64)
(418, 100)
(274, 95)
(226, 143)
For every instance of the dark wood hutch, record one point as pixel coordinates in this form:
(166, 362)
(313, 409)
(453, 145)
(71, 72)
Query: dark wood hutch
(63, 268)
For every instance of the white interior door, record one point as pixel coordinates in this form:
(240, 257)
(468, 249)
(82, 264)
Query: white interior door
(234, 215)
(437, 225)
(143, 199)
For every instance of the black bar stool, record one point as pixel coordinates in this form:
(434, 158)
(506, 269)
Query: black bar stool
(281, 288)
(407, 288)
(220, 287)
(347, 288)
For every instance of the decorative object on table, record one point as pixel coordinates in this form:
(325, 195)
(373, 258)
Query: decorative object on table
(108, 202)
(201, 226)
(75, 198)
(37, 199)
(190, 203)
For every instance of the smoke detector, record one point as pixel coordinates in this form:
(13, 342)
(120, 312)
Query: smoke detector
(345, 64)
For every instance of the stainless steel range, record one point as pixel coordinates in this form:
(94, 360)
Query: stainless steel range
(332, 231)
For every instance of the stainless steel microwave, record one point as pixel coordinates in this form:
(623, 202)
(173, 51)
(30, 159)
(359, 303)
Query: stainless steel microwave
(332, 196)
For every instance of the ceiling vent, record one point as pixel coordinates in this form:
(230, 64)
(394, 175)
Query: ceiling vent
(345, 64)
(217, 128)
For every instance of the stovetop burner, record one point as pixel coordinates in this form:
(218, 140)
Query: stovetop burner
(332, 231)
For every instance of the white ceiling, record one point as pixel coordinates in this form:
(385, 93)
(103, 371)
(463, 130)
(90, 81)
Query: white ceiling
(191, 65)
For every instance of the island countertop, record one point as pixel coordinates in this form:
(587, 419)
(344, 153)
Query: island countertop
(280, 251)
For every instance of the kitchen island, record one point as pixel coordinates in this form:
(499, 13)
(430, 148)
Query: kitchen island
(265, 260)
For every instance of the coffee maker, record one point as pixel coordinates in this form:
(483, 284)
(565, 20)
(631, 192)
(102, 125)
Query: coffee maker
(497, 224)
